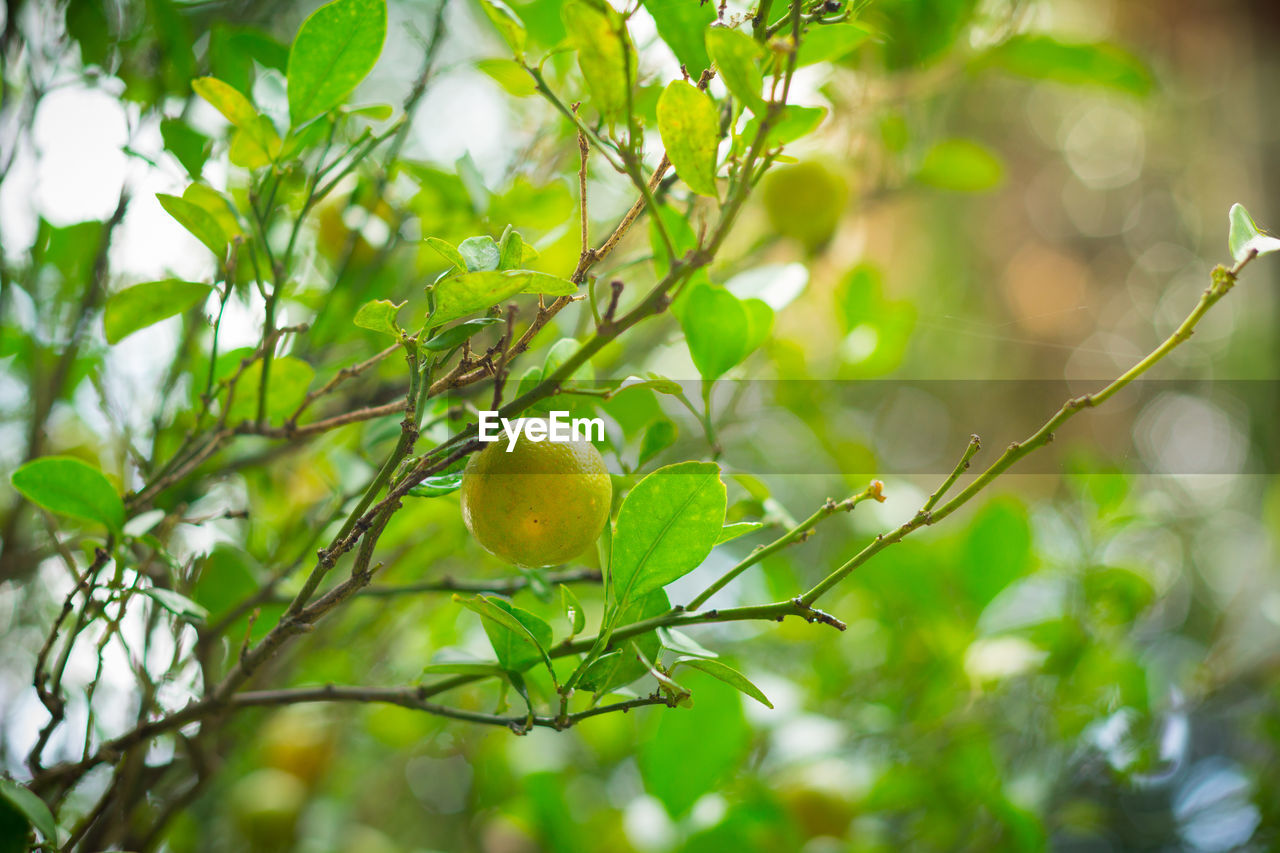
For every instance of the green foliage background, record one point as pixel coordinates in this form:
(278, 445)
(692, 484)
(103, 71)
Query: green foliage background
(1082, 659)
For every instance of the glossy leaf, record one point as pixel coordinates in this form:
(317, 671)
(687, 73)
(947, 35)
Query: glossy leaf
(379, 316)
(480, 254)
(65, 485)
(438, 485)
(690, 128)
(727, 674)
(666, 527)
(1245, 237)
(142, 305)
(736, 55)
(460, 295)
(198, 221)
(177, 604)
(335, 49)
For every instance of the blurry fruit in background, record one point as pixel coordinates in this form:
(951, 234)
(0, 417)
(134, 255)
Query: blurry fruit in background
(805, 202)
(299, 741)
(265, 806)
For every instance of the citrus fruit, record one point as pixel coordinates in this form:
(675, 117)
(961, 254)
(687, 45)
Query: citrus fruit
(541, 504)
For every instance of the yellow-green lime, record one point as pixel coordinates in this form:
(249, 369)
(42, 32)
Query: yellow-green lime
(541, 504)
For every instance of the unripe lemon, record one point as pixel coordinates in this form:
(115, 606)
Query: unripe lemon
(541, 504)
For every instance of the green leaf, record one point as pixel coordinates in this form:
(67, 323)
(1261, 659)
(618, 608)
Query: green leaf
(142, 305)
(717, 328)
(68, 486)
(256, 142)
(618, 667)
(795, 122)
(605, 55)
(480, 254)
(31, 807)
(379, 316)
(198, 221)
(512, 251)
(185, 143)
(519, 638)
(690, 129)
(714, 730)
(1043, 57)
(372, 112)
(510, 75)
(460, 295)
(666, 527)
(177, 604)
(560, 352)
(681, 25)
(455, 335)
(660, 435)
(661, 384)
(759, 322)
(727, 674)
(736, 54)
(226, 99)
(507, 24)
(960, 165)
(573, 610)
(448, 252)
(830, 42)
(1245, 236)
(216, 205)
(739, 528)
(336, 47)
(438, 485)
(680, 642)
(255, 146)
(998, 542)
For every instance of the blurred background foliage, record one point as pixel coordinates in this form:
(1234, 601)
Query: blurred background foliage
(1003, 190)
